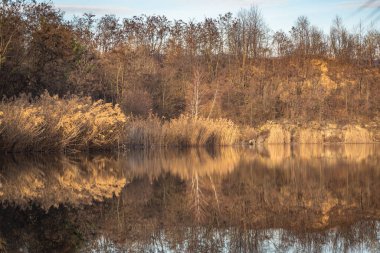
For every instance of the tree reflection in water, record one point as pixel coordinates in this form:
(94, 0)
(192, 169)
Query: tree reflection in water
(279, 198)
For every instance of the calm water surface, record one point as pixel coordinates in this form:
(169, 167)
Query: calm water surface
(275, 199)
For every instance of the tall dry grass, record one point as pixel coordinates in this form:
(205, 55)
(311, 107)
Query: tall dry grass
(189, 131)
(50, 123)
(184, 131)
(74, 124)
(144, 132)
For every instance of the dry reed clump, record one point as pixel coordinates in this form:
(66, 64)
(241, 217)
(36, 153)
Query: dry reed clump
(190, 131)
(357, 134)
(310, 136)
(50, 123)
(3, 245)
(182, 132)
(143, 132)
(275, 133)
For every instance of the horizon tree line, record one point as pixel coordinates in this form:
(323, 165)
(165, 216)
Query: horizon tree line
(232, 66)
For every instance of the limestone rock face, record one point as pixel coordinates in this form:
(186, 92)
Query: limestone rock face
(314, 133)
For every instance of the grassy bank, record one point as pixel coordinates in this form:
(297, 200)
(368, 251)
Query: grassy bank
(75, 124)
(52, 124)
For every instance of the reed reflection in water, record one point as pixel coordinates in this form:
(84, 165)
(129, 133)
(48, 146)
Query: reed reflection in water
(277, 198)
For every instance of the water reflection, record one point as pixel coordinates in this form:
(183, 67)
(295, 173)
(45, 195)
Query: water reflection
(52, 180)
(279, 198)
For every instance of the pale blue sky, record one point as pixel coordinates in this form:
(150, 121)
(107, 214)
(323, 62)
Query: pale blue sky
(278, 14)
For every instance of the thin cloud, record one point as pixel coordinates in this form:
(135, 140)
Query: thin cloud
(233, 4)
(247, 3)
(373, 6)
(359, 6)
(373, 13)
(95, 9)
(180, 7)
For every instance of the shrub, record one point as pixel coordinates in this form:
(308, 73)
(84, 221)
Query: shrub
(138, 103)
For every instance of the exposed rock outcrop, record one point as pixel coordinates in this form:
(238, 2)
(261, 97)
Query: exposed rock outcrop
(315, 133)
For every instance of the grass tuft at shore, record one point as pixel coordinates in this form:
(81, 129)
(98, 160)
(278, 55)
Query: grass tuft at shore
(52, 124)
(184, 131)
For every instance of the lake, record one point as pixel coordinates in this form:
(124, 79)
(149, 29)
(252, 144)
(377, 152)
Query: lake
(279, 198)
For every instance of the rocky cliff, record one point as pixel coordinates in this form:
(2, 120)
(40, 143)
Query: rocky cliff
(314, 133)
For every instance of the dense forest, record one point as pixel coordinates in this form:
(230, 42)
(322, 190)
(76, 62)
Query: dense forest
(233, 66)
